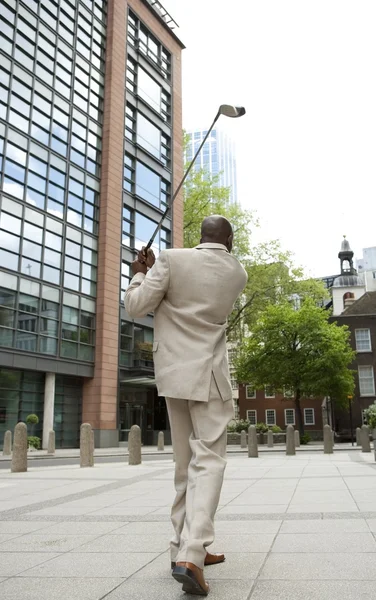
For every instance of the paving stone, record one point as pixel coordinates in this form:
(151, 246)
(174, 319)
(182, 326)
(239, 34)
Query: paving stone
(361, 483)
(146, 528)
(322, 483)
(59, 589)
(12, 563)
(325, 526)
(254, 509)
(84, 565)
(323, 508)
(22, 526)
(319, 496)
(346, 567)
(124, 510)
(262, 497)
(44, 542)
(372, 524)
(321, 542)
(244, 565)
(160, 589)
(247, 527)
(245, 542)
(5, 537)
(127, 543)
(77, 528)
(313, 590)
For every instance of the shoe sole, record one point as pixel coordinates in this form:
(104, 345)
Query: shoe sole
(189, 582)
(173, 564)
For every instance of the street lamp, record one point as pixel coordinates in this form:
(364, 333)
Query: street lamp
(227, 111)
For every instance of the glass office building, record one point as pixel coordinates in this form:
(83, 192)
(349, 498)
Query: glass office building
(90, 148)
(218, 157)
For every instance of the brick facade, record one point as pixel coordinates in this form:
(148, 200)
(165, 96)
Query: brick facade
(100, 395)
(360, 403)
(260, 404)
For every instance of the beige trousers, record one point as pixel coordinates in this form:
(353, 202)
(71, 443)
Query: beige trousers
(199, 437)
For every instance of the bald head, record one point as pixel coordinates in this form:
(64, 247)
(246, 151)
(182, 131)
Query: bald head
(218, 230)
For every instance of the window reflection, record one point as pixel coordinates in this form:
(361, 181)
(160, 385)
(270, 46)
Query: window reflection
(149, 90)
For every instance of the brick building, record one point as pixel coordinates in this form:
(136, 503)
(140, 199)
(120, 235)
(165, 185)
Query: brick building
(360, 317)
(265, 406)
(90, 151)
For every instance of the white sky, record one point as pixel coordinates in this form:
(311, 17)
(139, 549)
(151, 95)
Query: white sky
(306, 149)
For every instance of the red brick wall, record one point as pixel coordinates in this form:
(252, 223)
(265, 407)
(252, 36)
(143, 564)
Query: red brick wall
(100, 393)
(261, 404)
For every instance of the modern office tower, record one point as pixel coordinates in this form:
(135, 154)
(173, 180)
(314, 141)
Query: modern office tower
(90, 150)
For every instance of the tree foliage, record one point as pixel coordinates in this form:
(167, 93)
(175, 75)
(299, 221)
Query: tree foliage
(272, 275)
(298, 350)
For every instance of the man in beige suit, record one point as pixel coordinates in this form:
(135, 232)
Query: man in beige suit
(192, 293)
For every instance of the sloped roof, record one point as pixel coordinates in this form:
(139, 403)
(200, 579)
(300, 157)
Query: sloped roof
(365, 305)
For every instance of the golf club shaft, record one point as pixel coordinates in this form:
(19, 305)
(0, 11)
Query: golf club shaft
(180, 185)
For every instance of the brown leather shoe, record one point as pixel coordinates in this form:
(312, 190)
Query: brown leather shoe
(192, 578)
(210, 559)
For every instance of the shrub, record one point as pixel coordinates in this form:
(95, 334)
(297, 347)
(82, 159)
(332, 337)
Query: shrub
(276, 429)
(33, 441)
(32, 420)
(262, 428)
(370, 415)
(305, 439)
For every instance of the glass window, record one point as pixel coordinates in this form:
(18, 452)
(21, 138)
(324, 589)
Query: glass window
(250, 392)
(53, 241)
(26, 341)
(32, 250)
(10, 224)
(270, 417)
(148, 184)
(309, 416)
(72, 265)
(8, 298)
(51, 275)
(148, 136)
(52, 258)
(9, 259)
(71, 282)
(9, 242)
(366, 380)
(28, 303)
(363, 340)
(68, 349)
(269, 392)
(289, 416)
(48, 345)
(149, 90)
(33, 233)
(252, 416)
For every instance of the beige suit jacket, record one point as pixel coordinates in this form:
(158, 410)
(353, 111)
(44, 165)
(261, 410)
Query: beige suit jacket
(192, 292)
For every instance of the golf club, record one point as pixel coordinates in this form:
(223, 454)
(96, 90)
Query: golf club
(227, 111)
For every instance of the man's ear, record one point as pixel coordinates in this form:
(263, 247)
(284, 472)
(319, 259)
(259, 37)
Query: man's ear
(229, 242)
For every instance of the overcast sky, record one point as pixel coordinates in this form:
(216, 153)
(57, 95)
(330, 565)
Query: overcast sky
(306, 150)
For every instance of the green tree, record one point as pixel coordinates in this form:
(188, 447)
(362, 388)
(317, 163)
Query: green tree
(272, 275)
(298, 350)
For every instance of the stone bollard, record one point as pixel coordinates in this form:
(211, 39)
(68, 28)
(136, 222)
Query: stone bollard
(252, 442)
(86, 445)
(290, 441)
(297, 438)
(243, 439)
(51, 443)
(160, 441)
(364, 438)
(134, 445)
(19, 458)
(328, 440)
(270, 439)
(7, 447)
(358, 436)
(92, 448)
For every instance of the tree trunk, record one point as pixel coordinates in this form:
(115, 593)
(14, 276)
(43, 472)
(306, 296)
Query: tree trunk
(299, 416)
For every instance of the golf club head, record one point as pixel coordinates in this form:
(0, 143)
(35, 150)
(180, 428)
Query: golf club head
(231, 111)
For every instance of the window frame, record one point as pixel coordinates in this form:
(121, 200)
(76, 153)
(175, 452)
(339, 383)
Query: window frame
(266, 394)
(363, 329)
(247, 396)
(269, 410)
(254, 411)
(313, 417)
(368, 394)
(294, 415)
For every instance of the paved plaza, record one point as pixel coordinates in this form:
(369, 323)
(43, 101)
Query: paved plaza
(296, 528)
